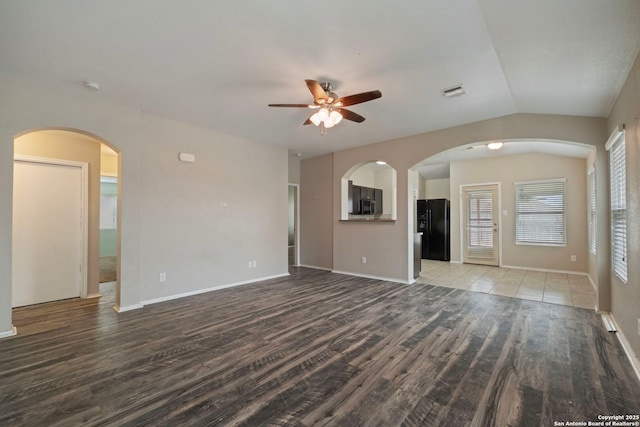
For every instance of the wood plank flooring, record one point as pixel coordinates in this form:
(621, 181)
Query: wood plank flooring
(314, 348)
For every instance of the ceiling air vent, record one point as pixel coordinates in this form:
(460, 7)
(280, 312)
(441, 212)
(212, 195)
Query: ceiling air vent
(452, 91)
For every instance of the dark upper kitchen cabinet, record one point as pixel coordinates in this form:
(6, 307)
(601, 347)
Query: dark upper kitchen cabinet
(377, 196)
(364, 200)
(367, 193)
(354, 197)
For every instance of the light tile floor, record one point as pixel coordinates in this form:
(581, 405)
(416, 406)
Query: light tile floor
(557, 288)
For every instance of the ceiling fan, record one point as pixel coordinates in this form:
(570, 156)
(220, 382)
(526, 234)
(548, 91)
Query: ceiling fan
(330, 108)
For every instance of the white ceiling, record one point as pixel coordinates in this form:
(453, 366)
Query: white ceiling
(218, 64)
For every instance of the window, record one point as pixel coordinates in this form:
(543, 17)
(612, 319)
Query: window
(617, 171)
(540, 212)
(592, 211)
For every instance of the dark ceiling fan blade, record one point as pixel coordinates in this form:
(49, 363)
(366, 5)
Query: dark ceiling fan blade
(358, 98)
(291, 105)
(350, 115)
(317, 91)
(308, 121)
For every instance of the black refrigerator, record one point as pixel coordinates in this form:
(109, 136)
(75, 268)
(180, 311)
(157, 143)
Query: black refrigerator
(433, 222)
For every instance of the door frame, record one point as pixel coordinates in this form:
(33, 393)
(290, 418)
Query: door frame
(84, 185)
(461, 216)
(296, 224)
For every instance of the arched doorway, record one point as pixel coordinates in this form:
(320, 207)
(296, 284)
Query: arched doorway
(471, 169)
(54, 147)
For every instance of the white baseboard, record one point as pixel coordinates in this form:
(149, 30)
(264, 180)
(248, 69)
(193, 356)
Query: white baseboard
(626, 346)
(577, 273)
(212, 288)
(11, 332)
(368, 276)
(118, 309)
(314, 267)
(96, 295)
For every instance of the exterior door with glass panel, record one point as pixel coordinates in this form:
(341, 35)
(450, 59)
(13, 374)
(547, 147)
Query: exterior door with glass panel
(480, 225)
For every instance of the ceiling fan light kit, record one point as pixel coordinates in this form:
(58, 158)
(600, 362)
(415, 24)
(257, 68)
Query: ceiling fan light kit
(330, 106)
(326, 117)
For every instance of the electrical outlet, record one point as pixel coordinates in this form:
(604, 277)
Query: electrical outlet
(163, 277)
(573, 258)
(364, 259)
(254, 264)
(250, 264)
(638, 325)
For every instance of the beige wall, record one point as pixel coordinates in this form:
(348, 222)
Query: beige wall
(316, 208)
(625, 298)
(199, 223)
(294, 169)
(108, 162)
(204, 221)
(363, 176)
(437, 188)
(384, 179)
(56, 144)
(527, 167)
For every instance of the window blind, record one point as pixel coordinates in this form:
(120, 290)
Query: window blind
(540, 212)
(617, 170)
(480, 224)
(592, 211)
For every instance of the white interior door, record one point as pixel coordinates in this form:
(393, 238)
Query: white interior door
(480, 232)
(48, 231)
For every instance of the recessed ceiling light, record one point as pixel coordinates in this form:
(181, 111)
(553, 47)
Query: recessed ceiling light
(452, 91)
(91, 85)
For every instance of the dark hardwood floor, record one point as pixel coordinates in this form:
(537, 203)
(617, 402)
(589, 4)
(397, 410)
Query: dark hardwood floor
(314, 348)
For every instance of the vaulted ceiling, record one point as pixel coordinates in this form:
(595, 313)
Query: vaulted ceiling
(218, 64)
